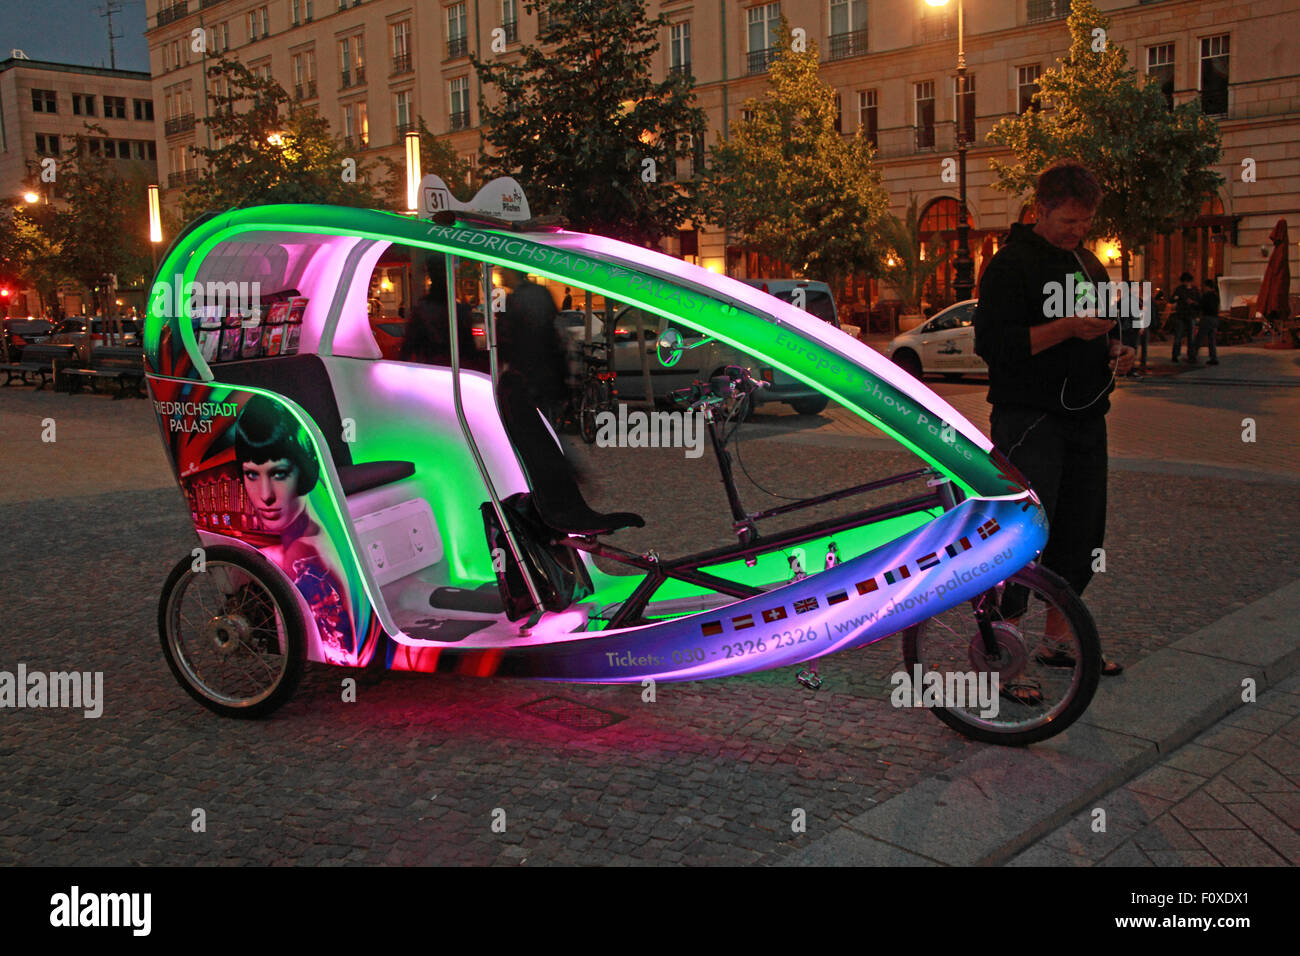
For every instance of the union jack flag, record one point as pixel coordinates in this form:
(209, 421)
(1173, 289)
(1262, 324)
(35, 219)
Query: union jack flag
(806, 605)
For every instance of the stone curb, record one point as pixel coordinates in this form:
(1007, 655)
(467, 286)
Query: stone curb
(1000, 800)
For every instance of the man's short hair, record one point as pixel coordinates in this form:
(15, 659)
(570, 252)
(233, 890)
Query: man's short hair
(1067, 180)
(1185, 277)
(1210, 283)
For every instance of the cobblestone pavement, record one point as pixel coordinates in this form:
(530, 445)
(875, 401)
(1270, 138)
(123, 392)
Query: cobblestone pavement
(412, 772)
(1231, 797)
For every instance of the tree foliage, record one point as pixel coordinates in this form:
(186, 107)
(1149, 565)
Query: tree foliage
(909, 271)
(586, 130)
(436, 156)
(788, 184)
(1154, 164)
(266, 150)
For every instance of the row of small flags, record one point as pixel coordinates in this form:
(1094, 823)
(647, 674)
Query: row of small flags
(926, 561)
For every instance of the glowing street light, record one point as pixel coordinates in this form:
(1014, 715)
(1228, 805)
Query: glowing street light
(155, 216)
(31, 197)
(412, 171)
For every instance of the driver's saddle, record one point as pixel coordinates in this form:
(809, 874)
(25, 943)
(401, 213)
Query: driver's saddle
(555, 494)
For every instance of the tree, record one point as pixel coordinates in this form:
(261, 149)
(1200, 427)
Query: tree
(907, 269)
(98, 230)
(791, 186)
(584, 128)
(268, 151)
(1154, 164)
(436, 156)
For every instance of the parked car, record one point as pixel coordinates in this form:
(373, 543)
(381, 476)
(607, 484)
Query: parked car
(389, 331)
(700, 362)
(943, 344)
(18, 333)
(73, 330)
(813, 297)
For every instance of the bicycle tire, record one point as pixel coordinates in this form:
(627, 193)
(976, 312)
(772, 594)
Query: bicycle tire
(587, 411)
(1022, 651)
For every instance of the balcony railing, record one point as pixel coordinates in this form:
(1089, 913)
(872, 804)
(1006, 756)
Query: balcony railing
(183, 177)
(172, 12)
(345, 79)
(848, 44)
(938, 26)
(403, 129)
(401, 63)
(457, 46)
(179, 124)
(680, 69)
(1040, 11)
(361, 74)
(459, 119)
(305, 90)
(204, 4)
(512, 30)
(758, 61)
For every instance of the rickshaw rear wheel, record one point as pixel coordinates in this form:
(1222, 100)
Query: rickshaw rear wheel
(232, 632)
(1044, 683)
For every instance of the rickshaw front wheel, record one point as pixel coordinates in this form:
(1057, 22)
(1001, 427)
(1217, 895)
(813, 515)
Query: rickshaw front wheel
(1042, 677)
(232, 631)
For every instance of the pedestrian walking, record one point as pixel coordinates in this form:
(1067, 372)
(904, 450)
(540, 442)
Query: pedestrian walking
(1209, 324)
(529, 343)
(1186, 302)
(1050, 377)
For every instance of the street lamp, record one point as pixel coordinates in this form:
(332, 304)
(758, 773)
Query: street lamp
(155, 224)
(964, 281)
(412, 171)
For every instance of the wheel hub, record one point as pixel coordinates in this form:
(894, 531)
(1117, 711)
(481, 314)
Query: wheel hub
(1012, 652)
(226, 632)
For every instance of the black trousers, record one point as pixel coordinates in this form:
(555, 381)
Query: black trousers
(1066, 463)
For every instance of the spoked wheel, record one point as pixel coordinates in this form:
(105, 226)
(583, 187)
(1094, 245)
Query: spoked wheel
(233, 633)
(591, 404)
(1043, 682)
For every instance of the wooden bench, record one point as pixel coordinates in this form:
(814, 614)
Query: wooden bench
(43, 360)
(120, 364)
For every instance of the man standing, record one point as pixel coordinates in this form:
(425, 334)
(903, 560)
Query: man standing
(1187, 305)
(1052, 364)
(1209, 325)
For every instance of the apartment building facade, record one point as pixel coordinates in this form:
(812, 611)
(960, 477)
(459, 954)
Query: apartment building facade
(371, 67)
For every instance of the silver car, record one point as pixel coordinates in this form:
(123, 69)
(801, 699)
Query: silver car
(944, 343)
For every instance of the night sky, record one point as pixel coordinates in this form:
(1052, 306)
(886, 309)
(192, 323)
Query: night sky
(72, 31)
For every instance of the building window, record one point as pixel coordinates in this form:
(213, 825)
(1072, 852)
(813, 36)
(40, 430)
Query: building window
(345, 63)
(293, 11)
(363, 124)
(1160, 66)
(115, 107)
(964, 108)
(459, 102)
(349, 125)
(221, 38)
(83, 104)
(259, 23)
(1214, 75)
(1040, 11)
(142, 109)
(457, 39)
(44, 101)
(839, 114)
(923, 94)
(848, 28)
(402, 113)
(1027, 78)
(868, 117)
(764, 25)
(304, 74)
(47, 144)
(510, 19)
(679, 48)
(401, 33)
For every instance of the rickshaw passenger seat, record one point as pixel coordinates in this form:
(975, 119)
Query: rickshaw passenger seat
(555, 493)
(305, 380)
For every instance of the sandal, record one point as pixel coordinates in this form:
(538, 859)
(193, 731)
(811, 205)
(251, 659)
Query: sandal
(1025, 693)
(1059, 658)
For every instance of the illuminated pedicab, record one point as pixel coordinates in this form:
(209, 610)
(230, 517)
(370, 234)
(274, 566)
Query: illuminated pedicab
(366, 512)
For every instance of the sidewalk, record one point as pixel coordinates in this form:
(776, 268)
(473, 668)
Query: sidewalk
(998, 802)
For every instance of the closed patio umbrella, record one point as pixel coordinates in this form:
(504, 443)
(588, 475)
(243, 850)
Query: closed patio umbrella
(1273, 301)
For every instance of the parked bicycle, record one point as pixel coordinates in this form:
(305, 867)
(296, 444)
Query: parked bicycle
(596, 392)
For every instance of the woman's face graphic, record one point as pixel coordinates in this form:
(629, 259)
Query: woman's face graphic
(273, 488)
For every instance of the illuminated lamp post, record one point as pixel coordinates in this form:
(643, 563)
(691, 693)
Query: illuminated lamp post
(964, 281)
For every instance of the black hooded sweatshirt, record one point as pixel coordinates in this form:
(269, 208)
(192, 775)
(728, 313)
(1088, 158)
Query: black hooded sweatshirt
(1011, 300)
